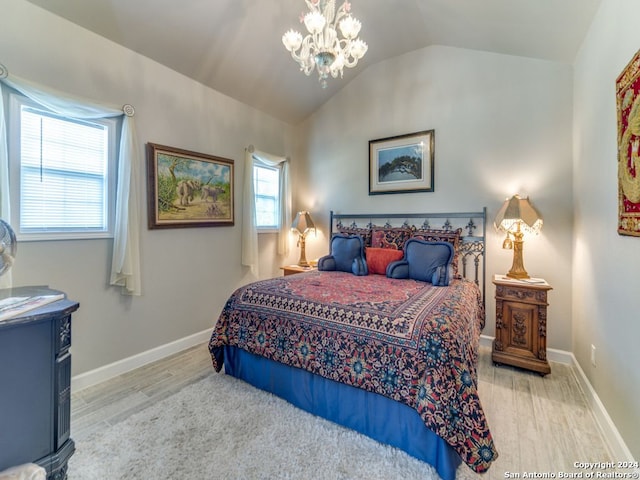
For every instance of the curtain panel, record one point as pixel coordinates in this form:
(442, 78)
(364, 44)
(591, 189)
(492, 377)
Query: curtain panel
(125, 265)
(250, 254)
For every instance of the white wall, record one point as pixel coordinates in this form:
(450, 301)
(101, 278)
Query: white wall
(502, 126)
(606, 266)
(187, 274)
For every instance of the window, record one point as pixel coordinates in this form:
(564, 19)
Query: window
(266, 186)
(62, 173)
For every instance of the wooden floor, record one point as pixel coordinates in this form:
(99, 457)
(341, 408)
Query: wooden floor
(110, 402)
(539, 424)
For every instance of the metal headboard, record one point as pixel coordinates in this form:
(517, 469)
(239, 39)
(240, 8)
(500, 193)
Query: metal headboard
(473, 236)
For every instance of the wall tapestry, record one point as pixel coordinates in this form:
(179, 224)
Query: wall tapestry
(188, 189)
(628, 105)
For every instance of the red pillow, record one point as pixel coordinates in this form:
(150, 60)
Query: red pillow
(379, 258)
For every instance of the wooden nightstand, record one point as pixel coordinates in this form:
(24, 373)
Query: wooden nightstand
(521, 324)
(293, 269)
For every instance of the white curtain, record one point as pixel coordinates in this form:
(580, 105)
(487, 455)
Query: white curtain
(125, 265)
(250, 257)
(5, 279)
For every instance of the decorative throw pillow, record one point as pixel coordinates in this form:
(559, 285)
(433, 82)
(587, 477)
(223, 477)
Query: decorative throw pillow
(389, 237)
(451, 236)
(365, 233)
(347, 255)
(379, 258)
(424, 261)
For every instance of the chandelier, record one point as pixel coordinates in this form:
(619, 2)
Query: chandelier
(323, 48)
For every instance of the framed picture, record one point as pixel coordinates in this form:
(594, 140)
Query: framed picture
(188, 189)
(402, 164)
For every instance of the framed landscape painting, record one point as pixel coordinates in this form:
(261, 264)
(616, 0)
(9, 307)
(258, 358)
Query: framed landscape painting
(402, 164)
(188, 189)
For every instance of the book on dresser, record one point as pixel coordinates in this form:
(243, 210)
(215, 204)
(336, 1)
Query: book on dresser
(11, 307)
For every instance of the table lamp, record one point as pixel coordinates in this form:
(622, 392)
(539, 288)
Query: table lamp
(516, 217)
(302, 225)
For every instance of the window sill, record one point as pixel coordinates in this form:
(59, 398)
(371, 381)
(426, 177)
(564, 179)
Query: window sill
(51, 237)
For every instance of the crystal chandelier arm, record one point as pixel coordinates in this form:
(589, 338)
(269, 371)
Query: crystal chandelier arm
(330, 11)
(310, 5)
(328, 40)
(305, 59)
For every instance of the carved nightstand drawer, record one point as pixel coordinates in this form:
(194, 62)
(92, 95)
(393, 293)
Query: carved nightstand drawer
(522, 293)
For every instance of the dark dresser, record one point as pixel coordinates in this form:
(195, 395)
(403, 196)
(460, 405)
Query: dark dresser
(35, 384)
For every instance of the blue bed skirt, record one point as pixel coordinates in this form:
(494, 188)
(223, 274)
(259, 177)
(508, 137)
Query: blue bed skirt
(378, 417)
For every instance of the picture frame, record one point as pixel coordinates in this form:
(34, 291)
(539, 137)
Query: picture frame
(188, 189)
(402, 164)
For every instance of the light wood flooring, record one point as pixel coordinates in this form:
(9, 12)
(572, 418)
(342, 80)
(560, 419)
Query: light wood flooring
(539, 424)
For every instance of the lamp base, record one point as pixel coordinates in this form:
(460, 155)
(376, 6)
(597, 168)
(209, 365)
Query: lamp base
(517, 268)
(518, 275)
(302, 262)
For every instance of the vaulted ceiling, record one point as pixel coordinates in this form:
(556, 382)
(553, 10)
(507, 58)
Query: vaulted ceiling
(235, 47)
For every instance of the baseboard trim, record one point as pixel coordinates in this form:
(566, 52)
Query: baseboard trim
(125, 365)
(486, 341)
(619, 449)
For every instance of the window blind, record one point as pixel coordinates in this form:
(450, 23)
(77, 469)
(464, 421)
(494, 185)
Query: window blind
(266, 188)
(63, 174)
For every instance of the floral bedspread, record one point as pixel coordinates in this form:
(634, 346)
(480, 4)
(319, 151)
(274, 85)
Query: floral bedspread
(404, 339)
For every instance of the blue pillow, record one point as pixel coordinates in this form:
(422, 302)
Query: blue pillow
(424, 261)
(347, 255)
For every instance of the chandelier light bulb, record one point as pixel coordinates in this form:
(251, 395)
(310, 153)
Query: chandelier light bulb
(292, 40)
(350, 27)
(358, 49)
(332, 42)
(315, 22)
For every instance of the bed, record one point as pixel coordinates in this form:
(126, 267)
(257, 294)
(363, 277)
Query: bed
(394, 359)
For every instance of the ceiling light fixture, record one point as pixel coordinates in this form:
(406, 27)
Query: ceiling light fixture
(323, 48)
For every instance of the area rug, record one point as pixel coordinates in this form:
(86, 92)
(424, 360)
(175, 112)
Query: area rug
(223, 428)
